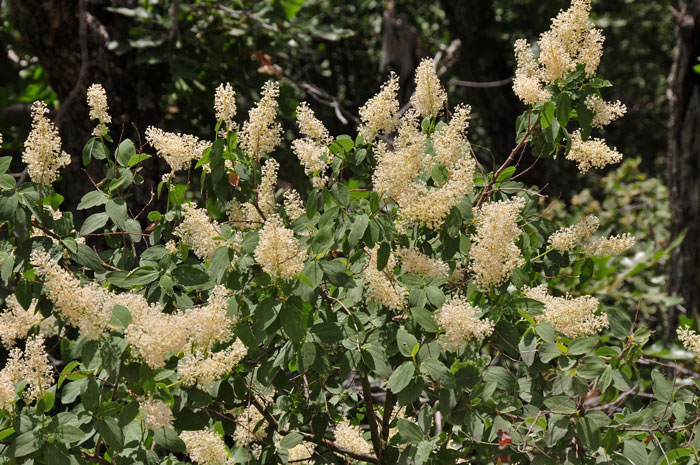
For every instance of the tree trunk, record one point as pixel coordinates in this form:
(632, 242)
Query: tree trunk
(684, 157)
(70, 39)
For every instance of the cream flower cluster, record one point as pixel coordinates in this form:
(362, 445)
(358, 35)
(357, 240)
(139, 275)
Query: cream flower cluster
(604, 112)
(429, 97)
(261, 133)
(593, 153)
(250, 426)
(527, 84)
(566, 239)
(42, 149)
(494, 254)
(205, 447)
(613, 245)
(16, 322)
(210, 323)
(572, 40)
(401, 172)
(293, 204)
(314, 157)
(395, 168)
(242, 216)
(458, 318)
(415, 262)
(312, 150)
(302, 453)
(85, 307)
(99, 109)
(573, 317)
(690, 340)
(225, 105)
(178, 150)
(203, 369)
(266, 189)
(381, 285)
(199, 231)
(155, 414)
(378, 114)
(31, 365)
(350, 437)
(155, 335)
(310, 126)
(278, 251)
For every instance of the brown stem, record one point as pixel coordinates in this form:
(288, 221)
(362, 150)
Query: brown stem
(386, 417)
(371, 416)
(311, 438)
(523, 142)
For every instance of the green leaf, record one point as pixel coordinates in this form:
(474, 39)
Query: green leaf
(122, 316)
(116, 209)
(662, 387)
(128, 413)
(168, 439)
(125, 152)
(291, 8)
(410, 431)
(563, 108)
(307, 355)
(293, 322)
(589, 433)
(142, 275)
(67, 369)
(587, 270)
(383, 255)
(401, 377)
(345, 141)
(290, 440)
(453, 222)
(138, 158)
(406, 342)
(336, 273)
(439, 372)
(635, 452)
(93, 223)
(88, 258)
(528, 348)
(323, 240)
(188, 275)
(341, 194)
(620, 322)
(94, 149)
(8, 204)
(69, 433)
(111, 432)
(27, 443)
(5, 164)
(7, 182)
(425, 319)
(582, 345)
(561, 404)
(506, 174)
(597, 83)
(439, 174)
(92, 199)
(357, 229)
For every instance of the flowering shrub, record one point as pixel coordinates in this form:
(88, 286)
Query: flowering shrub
(402, 313)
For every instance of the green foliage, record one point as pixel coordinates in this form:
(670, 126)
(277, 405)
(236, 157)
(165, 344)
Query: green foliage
(324, 357)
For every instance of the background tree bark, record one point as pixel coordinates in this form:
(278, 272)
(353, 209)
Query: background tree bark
(71, 39)
(684, 157)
